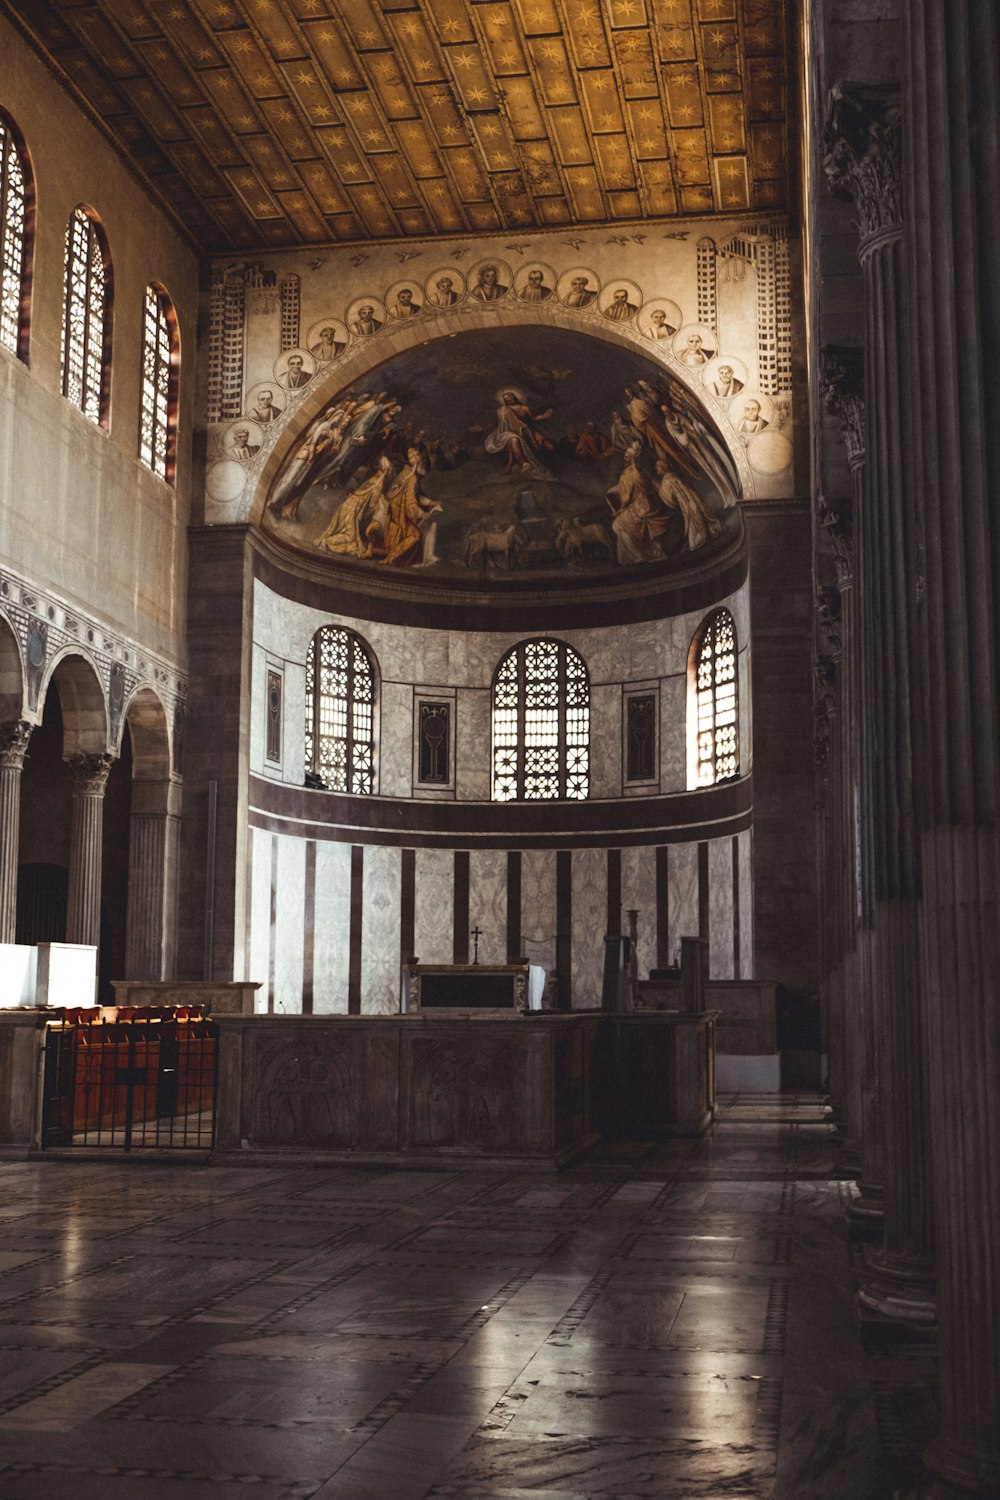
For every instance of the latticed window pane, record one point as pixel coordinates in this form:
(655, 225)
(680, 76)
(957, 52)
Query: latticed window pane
(12, 239)
(84, 317)
(340, 712)
(541, 724)
(718, 713)
(155, 415)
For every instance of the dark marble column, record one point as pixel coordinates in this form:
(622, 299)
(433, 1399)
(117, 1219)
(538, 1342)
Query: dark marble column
(90, 777)
(13, 745)
(150, 934)
(863, 162)
(951, 100)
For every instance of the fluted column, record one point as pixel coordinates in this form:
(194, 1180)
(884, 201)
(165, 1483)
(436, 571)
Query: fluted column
(864, 137)
(13, 745)
(152, 876)
(90, 777)
(951, 81)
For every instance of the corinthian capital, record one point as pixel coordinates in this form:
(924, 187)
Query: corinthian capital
(90, 774)
(861, 141)
(842, 380)
(14, 738)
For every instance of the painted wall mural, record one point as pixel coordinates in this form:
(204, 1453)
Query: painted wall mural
(712, 310)
(505, 451)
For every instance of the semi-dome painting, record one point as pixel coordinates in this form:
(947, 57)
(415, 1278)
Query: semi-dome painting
(507, 452)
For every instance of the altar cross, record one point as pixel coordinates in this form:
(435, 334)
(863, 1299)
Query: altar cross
(477, 933)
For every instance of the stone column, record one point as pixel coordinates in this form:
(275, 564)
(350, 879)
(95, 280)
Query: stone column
(150, 933)
(13, 745)
(90, 777)
(864, 141)
(951, 82)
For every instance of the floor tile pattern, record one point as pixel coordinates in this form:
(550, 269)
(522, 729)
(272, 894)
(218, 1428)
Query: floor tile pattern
(662, 1319)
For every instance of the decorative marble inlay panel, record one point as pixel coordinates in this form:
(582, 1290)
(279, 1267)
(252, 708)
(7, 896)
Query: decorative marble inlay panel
(538, 907)
(380, 931)
(332, 942)
(488, 902)
(289, 931)
(683, 886)
(590, 918)
(433, 925)
(639, 891)
(720, 908)
(606, 741)
(746, 905)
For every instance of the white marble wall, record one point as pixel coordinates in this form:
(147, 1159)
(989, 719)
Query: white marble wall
(289, 925)
(720, 908)
(538, 907)
(380, 930)
(747, 966)
(434, 897)
(409, 657)
(332, 928)
(488, 903)
(590, 920)
(639, 894)
(682, 866)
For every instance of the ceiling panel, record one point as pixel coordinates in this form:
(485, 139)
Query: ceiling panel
(283, 122)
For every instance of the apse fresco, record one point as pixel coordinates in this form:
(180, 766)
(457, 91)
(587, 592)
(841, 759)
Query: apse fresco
(504, 453)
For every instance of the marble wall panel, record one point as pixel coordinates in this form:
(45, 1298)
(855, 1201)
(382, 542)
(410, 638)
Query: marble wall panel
(747, 965)
(673, 734)
(645, 651)
(720, 908)
(488, 903)
(639, 891)
(434, 900)
(682, 881)
(538, 907)
(606, 741)
(380, 930)
(289, 927)
(472, 744)
(332, 941)
(590, 919)
(396, 740)
(259, 938)
(745, 702)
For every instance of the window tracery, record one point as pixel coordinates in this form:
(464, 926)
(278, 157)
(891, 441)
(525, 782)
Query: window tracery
(86, 364)
(15, 247)
(157, 404)
(717, 756)
(340, 712)
(541, 724)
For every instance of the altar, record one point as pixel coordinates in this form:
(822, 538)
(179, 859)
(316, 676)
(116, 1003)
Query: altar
(484, 988)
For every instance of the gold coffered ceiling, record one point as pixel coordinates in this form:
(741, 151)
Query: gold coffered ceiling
(282, 122)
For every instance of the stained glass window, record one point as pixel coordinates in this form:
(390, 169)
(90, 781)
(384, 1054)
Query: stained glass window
(86, 318)
(718, 754)
(159, 376)
(340, 712)
(541, 724)
(15, 203)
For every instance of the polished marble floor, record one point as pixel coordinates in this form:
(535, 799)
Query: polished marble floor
(669, 1319)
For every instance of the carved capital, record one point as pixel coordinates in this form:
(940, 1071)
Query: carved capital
(842, 381)
(836, 519)
(14, 739)
(862, 155)
(90, 774)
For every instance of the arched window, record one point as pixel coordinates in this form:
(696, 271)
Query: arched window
(541, 724)
(158, 392)
(340, 712)
(713, 710)
(86, 347)
(17, 200)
